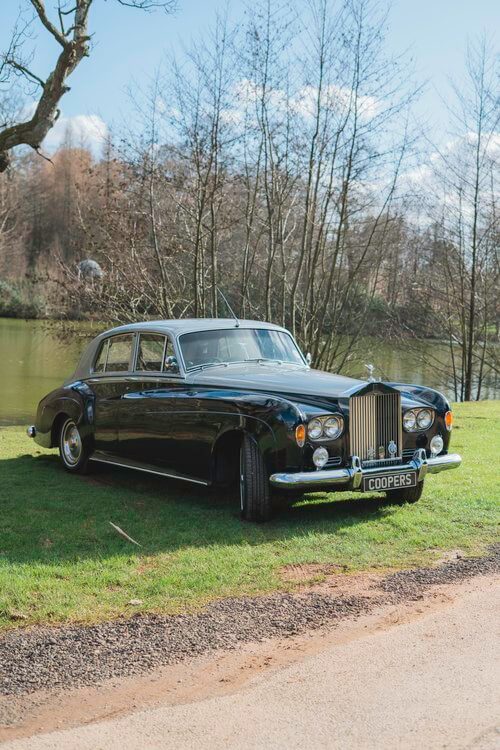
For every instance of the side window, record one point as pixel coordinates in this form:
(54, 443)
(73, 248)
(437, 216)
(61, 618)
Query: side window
(156, 354)
(100, 363)
(150, 352)
(119, 353)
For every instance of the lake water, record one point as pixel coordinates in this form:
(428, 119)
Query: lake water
(34, 359)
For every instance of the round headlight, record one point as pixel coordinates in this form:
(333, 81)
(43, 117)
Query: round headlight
(424, 419)
(409, 420)
(436, 445)
(332, 427)
(320, 457)
(315, 429)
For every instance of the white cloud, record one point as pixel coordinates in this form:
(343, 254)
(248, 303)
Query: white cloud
(80, 130)
(337, 98)
(304, 101)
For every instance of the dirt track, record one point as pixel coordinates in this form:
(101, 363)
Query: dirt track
(408, 675)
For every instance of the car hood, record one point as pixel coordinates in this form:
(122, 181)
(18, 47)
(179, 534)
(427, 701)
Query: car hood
(275, 378)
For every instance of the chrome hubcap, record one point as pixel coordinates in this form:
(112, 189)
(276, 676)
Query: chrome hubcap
(71, 444)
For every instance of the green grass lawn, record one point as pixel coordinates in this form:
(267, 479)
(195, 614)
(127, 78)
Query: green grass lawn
(61, 561)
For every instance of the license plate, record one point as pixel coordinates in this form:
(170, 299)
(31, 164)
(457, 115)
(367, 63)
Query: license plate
(382, 482)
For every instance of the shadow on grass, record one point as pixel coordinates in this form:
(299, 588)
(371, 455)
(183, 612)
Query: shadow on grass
(51, 516)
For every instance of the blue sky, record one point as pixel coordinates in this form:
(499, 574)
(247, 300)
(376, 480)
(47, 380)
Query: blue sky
(130, 44)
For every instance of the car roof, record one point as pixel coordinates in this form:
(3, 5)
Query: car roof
(174, 328)
(190, 325)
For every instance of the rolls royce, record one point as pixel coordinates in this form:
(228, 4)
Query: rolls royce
(219, 401)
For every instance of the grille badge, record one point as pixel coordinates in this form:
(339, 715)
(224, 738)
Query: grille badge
(392, 448)
(381, 451)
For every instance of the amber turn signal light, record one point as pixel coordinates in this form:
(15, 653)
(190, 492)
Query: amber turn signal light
(448, 420)
(300, 435)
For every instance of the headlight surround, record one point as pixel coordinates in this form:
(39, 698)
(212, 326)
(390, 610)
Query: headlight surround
(333, 427)
(327, 427)
(418, 420)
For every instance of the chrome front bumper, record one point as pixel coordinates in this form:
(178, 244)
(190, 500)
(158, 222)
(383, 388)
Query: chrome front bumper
(351, 478)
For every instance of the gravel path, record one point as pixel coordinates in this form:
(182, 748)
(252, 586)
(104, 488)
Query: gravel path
(55, 658)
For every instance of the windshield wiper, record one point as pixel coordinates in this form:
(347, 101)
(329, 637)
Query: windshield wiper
(276, 361)
(206, 364)
(264, 359)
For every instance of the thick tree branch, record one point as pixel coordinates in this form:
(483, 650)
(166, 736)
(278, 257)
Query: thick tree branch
(42, 15)
(75, 46)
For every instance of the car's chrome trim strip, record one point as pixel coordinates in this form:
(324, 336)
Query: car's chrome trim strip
(129, 377)
(132, 465)
(352, 476)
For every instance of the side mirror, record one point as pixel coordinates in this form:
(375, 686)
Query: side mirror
(171, 365)
(309, 358)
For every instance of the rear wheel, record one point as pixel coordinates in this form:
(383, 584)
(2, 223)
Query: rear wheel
(409, 495)
(255, 496)
(74, 456)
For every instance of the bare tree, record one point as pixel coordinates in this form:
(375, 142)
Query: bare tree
(72, 33)
(267, 160)
(468, 226)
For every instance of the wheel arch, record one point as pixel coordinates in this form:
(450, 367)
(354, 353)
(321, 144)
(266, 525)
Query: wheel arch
(225, 456)
(55, 432)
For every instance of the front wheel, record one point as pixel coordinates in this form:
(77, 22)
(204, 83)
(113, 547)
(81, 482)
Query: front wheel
(255, 496)
(408, 495)
(74, 456)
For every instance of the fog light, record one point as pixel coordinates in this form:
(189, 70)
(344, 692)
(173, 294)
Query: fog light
(320, 457)
(436, 445)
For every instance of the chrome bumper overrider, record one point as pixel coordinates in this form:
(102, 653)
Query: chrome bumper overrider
(352, 476)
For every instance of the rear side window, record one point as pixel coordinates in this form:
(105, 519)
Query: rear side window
(115, 354)
(100, 363)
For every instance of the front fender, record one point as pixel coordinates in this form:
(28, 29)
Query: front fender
(272, 423)
(427, 395)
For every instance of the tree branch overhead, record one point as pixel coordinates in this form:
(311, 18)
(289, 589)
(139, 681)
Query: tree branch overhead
(75, 46)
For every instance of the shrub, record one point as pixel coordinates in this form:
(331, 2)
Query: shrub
(18, 301)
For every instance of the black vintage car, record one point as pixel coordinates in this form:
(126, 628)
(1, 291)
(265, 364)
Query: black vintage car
(220, 401)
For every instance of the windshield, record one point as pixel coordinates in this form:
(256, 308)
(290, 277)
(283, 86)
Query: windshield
(238, 345)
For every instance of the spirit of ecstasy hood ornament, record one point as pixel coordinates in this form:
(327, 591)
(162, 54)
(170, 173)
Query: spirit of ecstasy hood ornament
(370, 369)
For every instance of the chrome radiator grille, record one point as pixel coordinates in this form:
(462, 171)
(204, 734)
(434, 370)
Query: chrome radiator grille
(375, 427)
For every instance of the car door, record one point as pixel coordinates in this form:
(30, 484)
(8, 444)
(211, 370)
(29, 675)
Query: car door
(109, 382)
(148, 431)
(165, 422)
